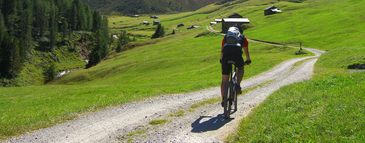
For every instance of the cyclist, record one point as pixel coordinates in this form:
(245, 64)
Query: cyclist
(237, 58)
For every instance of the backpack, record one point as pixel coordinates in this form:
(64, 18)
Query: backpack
(233, 41)
(233, 36)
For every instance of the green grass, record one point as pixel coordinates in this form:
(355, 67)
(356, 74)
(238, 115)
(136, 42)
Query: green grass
(158, 122)
(317, 24)
(178, 113)
(329, 109)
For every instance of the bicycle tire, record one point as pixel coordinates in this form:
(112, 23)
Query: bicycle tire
(230, 97)
(235, 101)
(226, 108)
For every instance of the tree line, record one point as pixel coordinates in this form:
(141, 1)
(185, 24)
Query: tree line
(40, 24)
(127, 7)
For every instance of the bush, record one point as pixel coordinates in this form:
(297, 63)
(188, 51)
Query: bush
(50, 72)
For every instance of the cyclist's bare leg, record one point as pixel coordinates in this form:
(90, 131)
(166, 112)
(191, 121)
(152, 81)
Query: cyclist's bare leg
(240, 72)
(225, 79)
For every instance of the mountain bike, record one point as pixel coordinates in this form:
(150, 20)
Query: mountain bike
(230, 96)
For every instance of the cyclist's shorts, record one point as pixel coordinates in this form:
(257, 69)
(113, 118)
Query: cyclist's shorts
(226, 68)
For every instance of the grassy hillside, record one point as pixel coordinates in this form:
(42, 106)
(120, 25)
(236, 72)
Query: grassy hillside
(182, 63)
(327, 108)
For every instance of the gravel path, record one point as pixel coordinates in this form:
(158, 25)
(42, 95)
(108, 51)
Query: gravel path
(130, 122)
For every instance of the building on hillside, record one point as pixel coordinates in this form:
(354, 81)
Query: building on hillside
(192, 26)
(228, 22)
(235, 15)
(218, 20)
(180, 25)
(154, 16)
(271, 10)
(212, 23)
(156, 22)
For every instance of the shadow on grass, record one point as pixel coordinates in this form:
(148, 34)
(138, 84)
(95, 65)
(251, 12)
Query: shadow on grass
(214, 123)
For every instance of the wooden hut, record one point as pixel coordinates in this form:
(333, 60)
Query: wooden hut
(271, 10)
(156, 22)
(180, 25)
(235, 15)
(228, 22)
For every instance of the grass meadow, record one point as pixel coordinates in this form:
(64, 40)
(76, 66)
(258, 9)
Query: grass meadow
(327, 108)
(330, 106)
(180, 64)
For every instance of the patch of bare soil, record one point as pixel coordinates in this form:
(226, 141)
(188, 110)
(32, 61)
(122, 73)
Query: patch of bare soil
(83, 50)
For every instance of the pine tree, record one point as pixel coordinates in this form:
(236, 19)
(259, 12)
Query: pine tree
(73, 17)
(8, 8)
(81, 16)
(89, 19)
(124, 38)
(11, 16)
(2, 26)
(64, 29)
(41, 18)
(160, 32)
(105, 29)
(50, 72)
(96, 21)
(53, 28)
(16, 59)
(6, 51)
(119, 47)
(26, 31)
(2, 46)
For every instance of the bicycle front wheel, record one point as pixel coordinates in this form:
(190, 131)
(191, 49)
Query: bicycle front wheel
(226, 101)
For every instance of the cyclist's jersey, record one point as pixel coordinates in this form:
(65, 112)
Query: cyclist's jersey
(232, 53)
(244, 44)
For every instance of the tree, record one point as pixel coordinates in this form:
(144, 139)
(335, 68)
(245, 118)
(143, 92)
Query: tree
(2, 26)
(124, 38)
(73, 17)
(160, 32)
(53, 28)
(173, 32)
(26, 31)
(100, 51)
(81, 16)
(64, 29)
(6, 52)
(50, 72)
(11, 16)
(41, 17)
(89, 23)
(119, 47)
(96, 21)
(16, 59)
(3, 49)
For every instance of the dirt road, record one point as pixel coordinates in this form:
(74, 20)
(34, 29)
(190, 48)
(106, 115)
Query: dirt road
(130, 122)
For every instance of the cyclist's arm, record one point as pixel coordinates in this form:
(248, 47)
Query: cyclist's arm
(245, 48)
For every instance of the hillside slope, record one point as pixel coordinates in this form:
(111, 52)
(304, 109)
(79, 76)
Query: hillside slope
(147, 6)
